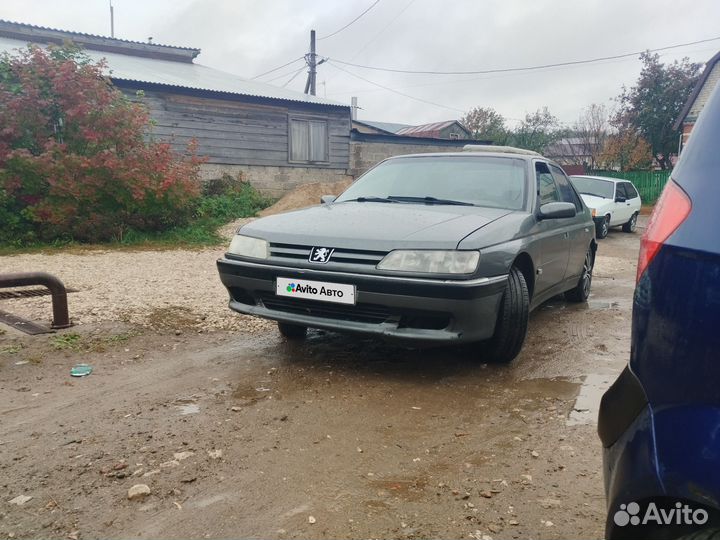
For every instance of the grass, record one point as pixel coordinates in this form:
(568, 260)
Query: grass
(212, 212)
(11, 349)
(67, 342)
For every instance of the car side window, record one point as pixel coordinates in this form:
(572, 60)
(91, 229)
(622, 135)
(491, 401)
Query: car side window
(547, 190)
(620, 191)
(567, 193)
(631, 191)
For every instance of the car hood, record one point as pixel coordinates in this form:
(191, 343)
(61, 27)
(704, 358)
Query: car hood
(374, 226)
(592, 201)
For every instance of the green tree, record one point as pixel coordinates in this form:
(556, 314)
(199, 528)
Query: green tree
(536, 131)
(652, 105)
(485, 123)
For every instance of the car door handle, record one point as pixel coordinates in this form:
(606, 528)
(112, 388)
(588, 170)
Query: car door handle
(566, 235)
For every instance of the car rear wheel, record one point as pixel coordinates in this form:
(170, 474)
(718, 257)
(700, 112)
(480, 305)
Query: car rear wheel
(631, 225)
(512, 321)
(603, 227)
(582, 290)
(292, 331)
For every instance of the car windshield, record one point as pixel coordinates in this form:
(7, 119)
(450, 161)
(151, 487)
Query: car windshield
(594, 186)
(495, 182)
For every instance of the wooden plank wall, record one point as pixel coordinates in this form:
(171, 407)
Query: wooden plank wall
(236, 133)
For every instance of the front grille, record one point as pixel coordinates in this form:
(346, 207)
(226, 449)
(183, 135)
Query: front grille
(294, 252)
(366, 313)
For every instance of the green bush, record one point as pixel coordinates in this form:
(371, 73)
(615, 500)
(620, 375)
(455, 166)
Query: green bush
(227, 198)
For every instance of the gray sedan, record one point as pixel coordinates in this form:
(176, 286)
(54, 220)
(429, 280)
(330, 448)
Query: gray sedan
(429, 248)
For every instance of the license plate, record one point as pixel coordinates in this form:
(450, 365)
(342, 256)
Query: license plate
(338, 293)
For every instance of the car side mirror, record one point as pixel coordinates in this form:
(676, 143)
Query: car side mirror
(557, 210)
(327, 199)
(620, 198)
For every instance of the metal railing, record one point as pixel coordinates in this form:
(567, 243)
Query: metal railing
(61, 317)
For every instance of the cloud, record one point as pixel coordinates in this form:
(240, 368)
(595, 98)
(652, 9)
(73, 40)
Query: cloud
(248, 37)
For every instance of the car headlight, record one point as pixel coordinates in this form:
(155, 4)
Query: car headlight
(431, 262)
(247, 246)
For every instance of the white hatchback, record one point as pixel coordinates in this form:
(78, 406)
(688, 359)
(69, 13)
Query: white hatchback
(612, 202)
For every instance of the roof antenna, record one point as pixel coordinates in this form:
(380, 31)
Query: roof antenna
(112, 20)
(150, 40)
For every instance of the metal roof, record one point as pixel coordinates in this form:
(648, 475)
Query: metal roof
(430, 130)
(44, 34)
(390, 127)
(125, 67)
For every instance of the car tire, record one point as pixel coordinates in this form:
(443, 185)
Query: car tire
(631, 225)
(292, 331)
(703, 534)
(581, 291)
(602, 228)
(512, 321)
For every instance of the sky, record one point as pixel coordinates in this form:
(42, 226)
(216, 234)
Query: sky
(250, 37)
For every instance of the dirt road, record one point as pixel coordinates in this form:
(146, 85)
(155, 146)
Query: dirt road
(245, 435)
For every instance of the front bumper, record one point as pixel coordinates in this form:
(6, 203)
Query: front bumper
(419, 310)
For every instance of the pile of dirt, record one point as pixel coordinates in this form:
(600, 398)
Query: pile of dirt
(306, 195)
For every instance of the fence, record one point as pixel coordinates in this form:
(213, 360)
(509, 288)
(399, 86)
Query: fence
(649, 183)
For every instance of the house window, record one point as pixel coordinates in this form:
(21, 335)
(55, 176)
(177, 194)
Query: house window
(308, 141)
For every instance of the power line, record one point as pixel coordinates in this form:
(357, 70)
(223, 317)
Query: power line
(282, 75)
(436, 82)
(275, 69)
(395, 91)
(351, 22)
(526, 68)
(396, 17)
(293, 77)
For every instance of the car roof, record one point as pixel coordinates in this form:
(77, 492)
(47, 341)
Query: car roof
(608, 178)
(509, 155)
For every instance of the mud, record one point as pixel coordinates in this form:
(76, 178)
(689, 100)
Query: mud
(246, 435)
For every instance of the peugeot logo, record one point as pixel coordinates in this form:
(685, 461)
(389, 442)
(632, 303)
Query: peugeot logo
(320, 255)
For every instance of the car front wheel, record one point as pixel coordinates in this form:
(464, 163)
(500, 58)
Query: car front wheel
(292, 331)
(603, 227)
(512, 321)
(631, 225)
(581, 291)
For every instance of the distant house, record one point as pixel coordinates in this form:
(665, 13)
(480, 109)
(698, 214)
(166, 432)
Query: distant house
(573, 151)
(276, 138)
(377, 128)
(695, 103)
(449, 129)
(372, 141)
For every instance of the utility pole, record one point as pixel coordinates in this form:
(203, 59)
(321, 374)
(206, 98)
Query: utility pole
(311, 62)
(112, 20)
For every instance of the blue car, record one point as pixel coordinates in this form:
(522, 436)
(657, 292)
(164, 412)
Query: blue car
(660, 421)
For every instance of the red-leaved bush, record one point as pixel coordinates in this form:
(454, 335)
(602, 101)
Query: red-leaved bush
(75, 157)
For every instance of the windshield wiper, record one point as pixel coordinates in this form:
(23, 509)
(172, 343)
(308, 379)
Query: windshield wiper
(593, 195)
(429, 200)
(371, 199)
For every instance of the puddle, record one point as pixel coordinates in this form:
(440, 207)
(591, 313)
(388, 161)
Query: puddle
(189, 408)
(595, 305)
(587, 403)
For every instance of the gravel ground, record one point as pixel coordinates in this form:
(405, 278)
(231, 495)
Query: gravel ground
(164, 290)
(242, 434)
